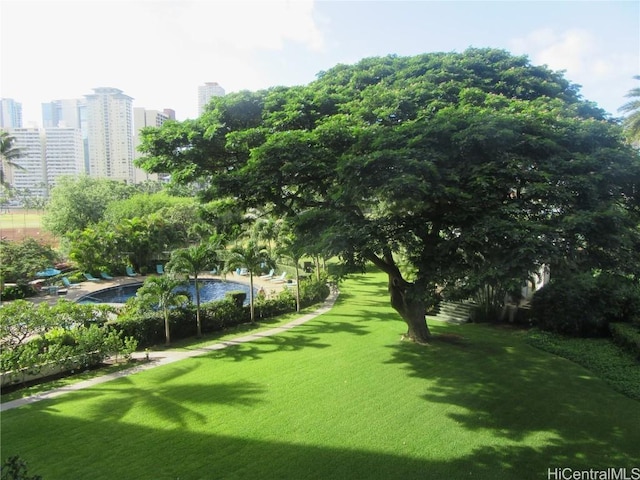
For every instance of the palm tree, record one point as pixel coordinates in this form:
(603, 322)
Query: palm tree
(8, 153)
(162, 291)
(193, 260)
(253, 257)
(291, 247)
(632, 122)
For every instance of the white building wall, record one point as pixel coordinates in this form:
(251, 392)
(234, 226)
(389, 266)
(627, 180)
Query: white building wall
(32, 176)
(206, 92)
(110, 134)
(64, 153)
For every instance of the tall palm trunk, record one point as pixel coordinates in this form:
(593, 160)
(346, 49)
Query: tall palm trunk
(198, 322)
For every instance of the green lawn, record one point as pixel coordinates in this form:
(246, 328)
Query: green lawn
(20, 219)
(338, 398)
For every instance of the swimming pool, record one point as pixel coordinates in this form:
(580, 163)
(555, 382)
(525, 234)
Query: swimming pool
(210, 290)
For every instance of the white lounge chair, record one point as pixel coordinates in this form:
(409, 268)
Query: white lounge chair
(280, 279)
(268, 276)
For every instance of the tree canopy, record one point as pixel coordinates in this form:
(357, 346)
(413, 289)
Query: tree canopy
(471, 168)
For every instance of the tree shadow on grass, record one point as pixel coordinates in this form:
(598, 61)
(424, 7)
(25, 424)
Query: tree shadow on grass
(508, 389)
(173, 405)
(256, 349)
(330, 326)
(132, 451)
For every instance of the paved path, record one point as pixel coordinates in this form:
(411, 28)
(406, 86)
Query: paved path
(169, 356)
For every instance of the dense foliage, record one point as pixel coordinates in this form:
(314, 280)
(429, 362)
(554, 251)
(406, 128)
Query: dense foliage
(601, 356)
(473, 169)
(67, 335)
(584, 304)
(21, 260)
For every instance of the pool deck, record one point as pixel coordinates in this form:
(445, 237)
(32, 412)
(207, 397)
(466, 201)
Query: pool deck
(85, 288)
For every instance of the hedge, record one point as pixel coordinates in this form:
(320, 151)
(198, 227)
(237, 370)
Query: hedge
(147, 327)
(627, 335)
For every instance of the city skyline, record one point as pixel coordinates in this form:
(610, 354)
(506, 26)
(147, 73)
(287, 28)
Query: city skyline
(158, 53)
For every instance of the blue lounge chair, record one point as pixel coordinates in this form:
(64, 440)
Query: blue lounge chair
(160, 269)
(91, 278)
(67, 283)
(268, 276)
(130, 272)
(106, 276)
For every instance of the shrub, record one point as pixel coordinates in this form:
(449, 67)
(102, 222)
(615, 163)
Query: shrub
(627, 336)
(584, 304)
(147, 327)
(19, 291)
(313, 291)
(14, 468)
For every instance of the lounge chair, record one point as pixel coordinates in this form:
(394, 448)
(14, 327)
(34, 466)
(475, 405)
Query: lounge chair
(91, 278)
(243, 271)
(280, 279)
(106, 276)
(130, 272)
(160, 269)
(268, 276)
(67, 283)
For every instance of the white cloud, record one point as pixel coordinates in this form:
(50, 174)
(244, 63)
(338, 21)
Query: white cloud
(572, 50)
(241, 25)
(150, 49)
(587, 59)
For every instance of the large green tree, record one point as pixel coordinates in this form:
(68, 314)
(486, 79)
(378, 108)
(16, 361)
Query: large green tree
(472, 169)
(77, 202)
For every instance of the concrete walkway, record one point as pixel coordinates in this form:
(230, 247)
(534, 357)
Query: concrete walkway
(169, 356)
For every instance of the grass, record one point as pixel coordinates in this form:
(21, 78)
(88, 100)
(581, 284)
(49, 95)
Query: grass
(339, 397)
(617, 367)
(182, 344)
(16, 219)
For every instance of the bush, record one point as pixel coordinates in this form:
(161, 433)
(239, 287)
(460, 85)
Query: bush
(14, 468)
(313, 291)
(584, 304)
(238, 296)
(627, 336)
(19, 291)
(147, 327)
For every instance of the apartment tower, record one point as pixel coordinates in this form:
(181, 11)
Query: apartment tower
(206, 92)
(110, 134)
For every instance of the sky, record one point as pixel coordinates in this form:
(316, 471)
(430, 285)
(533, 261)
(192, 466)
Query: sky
(158, 52)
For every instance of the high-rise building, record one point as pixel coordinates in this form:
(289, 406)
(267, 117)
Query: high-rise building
(110, 134)
(69, 113)
(65, 113)
(141, 119)
(32, 174)
(64, 153)
(10, 113)
(45, 155)
(206, 92)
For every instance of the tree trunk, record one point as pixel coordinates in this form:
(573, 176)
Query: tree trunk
(167, 334)
(198, 321)
(406, 298)
(251, 310)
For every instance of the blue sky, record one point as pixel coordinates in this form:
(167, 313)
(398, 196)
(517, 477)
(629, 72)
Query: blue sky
(158, 52)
